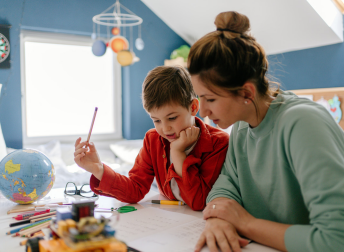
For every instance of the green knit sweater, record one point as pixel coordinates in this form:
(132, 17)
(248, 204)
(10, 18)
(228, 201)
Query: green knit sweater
(290, 169)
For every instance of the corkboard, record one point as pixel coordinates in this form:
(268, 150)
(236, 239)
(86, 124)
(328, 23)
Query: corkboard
(327, 94)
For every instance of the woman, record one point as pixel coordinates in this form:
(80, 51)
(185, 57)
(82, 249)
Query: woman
(282, 183)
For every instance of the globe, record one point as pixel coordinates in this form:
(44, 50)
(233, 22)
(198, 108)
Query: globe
(26, 176)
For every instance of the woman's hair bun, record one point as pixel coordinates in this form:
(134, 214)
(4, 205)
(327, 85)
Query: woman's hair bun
(232, 21)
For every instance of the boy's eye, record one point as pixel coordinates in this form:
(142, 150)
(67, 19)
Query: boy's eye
(173, 118)
(210, 100)
(156, 121)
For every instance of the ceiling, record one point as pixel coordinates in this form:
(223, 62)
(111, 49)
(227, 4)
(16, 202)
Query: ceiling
(278, 25)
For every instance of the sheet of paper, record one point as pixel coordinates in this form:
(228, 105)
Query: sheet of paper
(148, 221)
(155, 230)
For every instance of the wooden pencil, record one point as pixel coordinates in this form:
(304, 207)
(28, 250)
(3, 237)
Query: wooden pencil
(20, 233)
(42, 215)
(23, 209)
(28, 232)
(43, 218)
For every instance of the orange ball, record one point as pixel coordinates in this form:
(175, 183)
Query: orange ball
(115, 31)
(119, 43)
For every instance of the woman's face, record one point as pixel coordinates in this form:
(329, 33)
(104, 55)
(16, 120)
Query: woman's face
(224, 110)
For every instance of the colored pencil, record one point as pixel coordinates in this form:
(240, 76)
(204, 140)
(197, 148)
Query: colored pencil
(31, 208)
(27, 233)
(93, 119)
(21, 228)
(30, 221)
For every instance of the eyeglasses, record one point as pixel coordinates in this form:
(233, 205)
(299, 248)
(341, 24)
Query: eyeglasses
(85, 190)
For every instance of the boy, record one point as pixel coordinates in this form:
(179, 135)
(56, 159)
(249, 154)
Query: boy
(184, 154)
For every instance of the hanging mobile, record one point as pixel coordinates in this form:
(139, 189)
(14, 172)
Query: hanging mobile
(139, 44)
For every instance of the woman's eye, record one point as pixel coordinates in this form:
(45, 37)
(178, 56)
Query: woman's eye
(210, 100)
(172, 118)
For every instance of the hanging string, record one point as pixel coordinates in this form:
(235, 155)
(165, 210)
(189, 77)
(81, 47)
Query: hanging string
(139, 28)
(98, 30)
(94, 27)
(131, 38)
(108, 32)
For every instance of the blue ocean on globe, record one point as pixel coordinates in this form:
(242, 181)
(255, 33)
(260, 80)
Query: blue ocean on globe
(26, 176)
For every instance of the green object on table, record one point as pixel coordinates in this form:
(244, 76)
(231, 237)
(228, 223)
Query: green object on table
(124, 209)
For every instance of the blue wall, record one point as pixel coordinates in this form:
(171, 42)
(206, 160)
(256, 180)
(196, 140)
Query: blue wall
(75, 17)
(319, 67)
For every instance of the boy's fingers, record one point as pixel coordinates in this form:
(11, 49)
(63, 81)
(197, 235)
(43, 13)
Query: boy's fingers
(77, 141)
(81, 150)
(80, 145)
(78, 157)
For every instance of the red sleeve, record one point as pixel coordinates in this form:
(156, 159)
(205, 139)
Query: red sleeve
(127, 189)
(199, 175)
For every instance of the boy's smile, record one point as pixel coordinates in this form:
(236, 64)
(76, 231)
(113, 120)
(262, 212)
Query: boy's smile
(171, 119)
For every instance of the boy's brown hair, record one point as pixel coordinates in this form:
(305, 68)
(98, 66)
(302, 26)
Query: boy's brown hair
(167, 85)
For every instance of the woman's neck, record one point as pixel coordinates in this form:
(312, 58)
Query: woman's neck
(259, 114)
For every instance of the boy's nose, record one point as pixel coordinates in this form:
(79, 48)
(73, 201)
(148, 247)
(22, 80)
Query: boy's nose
(166, 128)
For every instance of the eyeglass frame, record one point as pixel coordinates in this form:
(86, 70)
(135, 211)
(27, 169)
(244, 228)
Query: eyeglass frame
(77, 192)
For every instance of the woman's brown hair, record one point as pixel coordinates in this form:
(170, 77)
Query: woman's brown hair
(230, 56)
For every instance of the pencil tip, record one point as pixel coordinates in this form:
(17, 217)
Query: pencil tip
(96, 108)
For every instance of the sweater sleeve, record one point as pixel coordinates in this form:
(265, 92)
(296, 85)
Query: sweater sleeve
(199, 175)
(127, 189)
(315, 147)
(227, 184)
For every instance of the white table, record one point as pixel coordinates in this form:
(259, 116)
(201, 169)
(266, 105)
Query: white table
(8, 243)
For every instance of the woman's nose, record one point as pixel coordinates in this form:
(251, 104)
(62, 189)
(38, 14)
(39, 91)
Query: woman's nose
(203, 111)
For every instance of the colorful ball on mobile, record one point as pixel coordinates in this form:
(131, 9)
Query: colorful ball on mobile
(98, 48)
(115, 31)
(119, 43)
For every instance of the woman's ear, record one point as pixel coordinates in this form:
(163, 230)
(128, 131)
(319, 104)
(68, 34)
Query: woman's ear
(194, 106)
(248, 93)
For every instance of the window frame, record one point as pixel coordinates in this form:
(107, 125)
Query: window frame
(58, 38)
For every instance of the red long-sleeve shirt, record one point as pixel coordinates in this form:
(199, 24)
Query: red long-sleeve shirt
(200, 169)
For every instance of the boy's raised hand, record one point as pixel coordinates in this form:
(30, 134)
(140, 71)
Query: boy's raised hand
(88, 158)
(186, 138)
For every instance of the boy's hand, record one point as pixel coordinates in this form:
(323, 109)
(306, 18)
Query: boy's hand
(88, 158)
(186, 138)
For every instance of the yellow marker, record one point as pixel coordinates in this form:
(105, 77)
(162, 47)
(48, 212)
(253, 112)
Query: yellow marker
(168, 202)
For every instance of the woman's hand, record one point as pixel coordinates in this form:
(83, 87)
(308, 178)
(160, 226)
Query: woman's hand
(223, 234)
(88, 158)
(230, 211)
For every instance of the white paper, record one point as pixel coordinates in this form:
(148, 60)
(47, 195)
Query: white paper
(155, 230)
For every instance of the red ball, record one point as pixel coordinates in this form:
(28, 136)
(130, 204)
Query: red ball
(115, 31)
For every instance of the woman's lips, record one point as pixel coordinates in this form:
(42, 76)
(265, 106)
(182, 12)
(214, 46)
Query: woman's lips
(171, 136)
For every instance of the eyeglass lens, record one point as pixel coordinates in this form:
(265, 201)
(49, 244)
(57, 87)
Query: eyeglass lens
(71, 188)
(86, 191)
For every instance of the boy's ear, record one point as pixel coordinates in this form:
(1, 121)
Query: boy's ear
(194, 106)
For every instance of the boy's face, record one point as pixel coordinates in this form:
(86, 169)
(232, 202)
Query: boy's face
(171, 119)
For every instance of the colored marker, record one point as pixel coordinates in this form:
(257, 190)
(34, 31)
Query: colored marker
(28, 215)
(168, 202)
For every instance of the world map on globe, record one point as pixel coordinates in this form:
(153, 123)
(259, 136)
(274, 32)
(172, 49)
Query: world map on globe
(26, 176)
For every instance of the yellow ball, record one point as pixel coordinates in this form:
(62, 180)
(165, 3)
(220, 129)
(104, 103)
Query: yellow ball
(125, 58)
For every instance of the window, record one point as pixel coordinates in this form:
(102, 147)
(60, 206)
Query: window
(62, 83)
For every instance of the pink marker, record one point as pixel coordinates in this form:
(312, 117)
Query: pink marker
(28, 215)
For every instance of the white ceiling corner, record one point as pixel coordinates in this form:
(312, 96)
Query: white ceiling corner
(278, 25)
